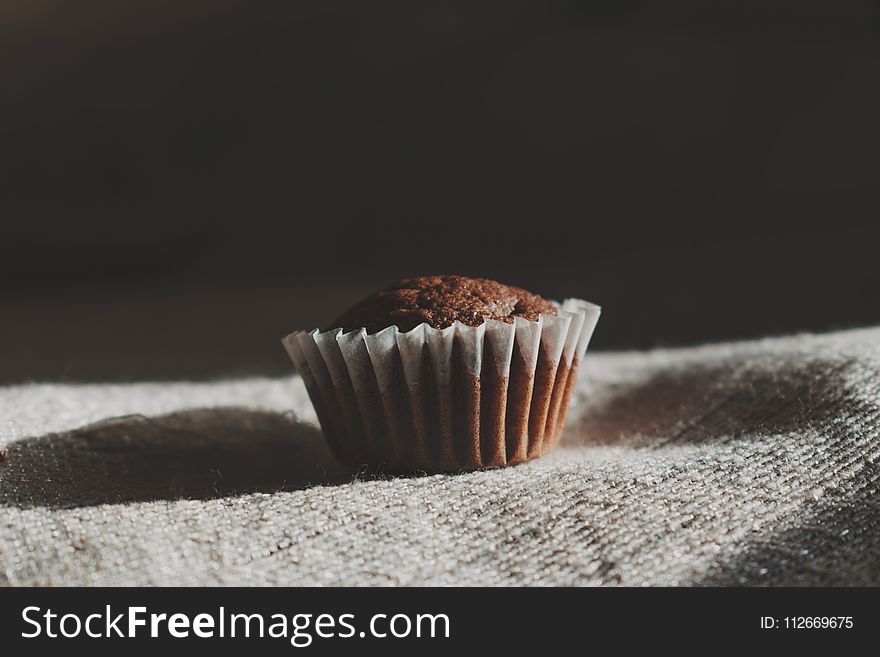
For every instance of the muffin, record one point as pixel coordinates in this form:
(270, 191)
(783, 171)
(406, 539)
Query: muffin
(444, 374)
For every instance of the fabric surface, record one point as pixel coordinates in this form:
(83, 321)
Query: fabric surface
(748, 463)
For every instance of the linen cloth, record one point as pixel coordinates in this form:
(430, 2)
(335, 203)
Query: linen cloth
(747, 463)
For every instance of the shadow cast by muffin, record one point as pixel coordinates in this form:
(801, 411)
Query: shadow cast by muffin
(193, 454)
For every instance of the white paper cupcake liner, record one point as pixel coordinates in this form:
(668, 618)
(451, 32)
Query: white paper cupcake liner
(440, 400)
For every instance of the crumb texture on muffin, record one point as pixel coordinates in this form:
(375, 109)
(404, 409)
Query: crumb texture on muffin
(441, 300)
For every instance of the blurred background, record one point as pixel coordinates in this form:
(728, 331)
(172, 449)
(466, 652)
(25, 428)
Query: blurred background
(183, 183)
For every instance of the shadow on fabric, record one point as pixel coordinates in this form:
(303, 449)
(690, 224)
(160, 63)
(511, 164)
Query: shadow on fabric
(836, 545)
(700, 403)
(193, 454)
(837, 538)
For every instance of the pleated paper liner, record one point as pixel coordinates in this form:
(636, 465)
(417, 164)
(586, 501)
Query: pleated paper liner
(445, 400)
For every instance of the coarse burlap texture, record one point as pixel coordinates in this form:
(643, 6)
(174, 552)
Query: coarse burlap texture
(749, 463)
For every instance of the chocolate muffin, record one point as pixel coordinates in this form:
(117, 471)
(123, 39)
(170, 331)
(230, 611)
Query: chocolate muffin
(440, 301)
(444, 373)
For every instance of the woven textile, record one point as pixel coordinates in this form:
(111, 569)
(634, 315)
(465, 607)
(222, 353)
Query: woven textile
(747, 463)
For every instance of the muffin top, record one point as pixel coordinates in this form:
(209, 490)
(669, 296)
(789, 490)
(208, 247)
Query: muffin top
(441, 300)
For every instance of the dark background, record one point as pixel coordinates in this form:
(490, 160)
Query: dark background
(182, 183)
